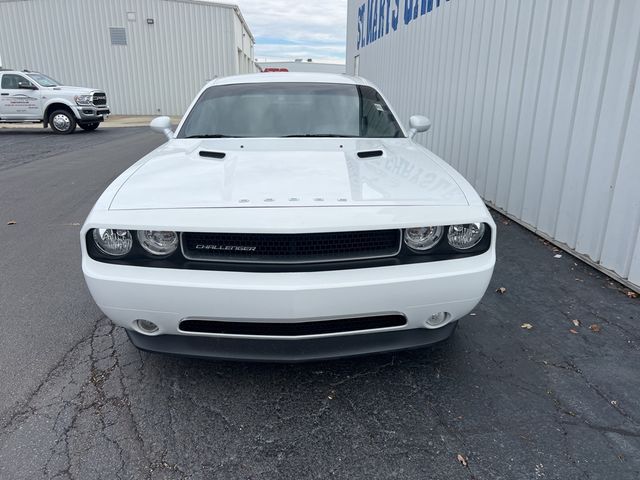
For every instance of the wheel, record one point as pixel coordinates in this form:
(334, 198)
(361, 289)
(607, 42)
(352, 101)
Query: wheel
(89, 127)
(62, 122)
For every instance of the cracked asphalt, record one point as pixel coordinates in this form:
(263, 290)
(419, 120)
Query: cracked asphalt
(78, 401)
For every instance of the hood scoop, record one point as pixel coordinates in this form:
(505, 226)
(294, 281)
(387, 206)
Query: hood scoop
(370, 153)
(207, 154)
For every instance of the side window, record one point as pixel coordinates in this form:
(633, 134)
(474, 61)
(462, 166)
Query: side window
(11, 81)
(376, 118)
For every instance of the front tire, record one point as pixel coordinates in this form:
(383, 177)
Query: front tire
(89, 127)
(62, 122)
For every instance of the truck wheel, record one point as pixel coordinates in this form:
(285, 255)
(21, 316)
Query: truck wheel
(62, 121)
(89, 127)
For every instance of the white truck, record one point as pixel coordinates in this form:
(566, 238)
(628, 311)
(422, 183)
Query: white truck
(32, 97)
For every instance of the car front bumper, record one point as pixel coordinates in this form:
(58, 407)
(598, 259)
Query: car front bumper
(92, 113)
(300, 350)
(167, 296)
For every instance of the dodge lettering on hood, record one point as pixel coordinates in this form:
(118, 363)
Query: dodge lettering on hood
(290, 217)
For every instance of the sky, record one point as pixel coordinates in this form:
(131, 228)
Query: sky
(290, 29)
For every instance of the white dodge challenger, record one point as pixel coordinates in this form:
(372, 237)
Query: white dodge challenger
(290, 217)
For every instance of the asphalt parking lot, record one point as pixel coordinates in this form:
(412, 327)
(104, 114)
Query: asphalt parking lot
(558, 400)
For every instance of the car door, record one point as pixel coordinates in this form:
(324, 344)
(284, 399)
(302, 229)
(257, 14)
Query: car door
(20, 98)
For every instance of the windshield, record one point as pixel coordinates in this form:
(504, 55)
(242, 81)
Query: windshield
(43, 80)
(290, 110)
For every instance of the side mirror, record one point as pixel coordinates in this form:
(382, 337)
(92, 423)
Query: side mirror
(418, 124)
(162, 125)
(26, 86)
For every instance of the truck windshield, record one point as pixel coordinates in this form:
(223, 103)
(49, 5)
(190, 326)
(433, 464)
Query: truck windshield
(43, 80)
(290, 110)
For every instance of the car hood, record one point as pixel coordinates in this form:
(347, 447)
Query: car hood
(287, 173)
(74, 90)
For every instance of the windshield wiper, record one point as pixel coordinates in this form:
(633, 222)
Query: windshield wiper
(212, 135)
(318, 135)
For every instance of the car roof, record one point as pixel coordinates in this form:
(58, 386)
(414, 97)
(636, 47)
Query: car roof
(22, 72)
(289, 77)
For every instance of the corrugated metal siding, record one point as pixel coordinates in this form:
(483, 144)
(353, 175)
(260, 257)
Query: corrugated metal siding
(244, 45)
(535, 102)
(160, 69)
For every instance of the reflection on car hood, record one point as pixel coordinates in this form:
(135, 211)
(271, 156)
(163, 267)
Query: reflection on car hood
(287, 173)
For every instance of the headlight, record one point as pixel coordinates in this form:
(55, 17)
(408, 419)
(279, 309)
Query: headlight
(422, 238)
(463, 237)
(113, 242)
(83, 99)
(157, 242)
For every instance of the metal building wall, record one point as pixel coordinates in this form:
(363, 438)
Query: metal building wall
(160, 69)
(536, 102)
(244, 47)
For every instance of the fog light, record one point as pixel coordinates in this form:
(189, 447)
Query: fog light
(437, 319)
(147, 326)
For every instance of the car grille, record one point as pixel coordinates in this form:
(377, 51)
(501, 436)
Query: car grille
(290, 248)
(99, 98)
(294, 329)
